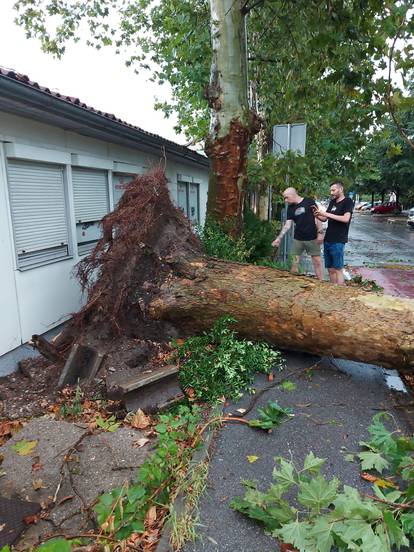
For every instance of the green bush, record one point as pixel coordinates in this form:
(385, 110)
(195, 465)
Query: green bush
(218, 363)
(254, 244)
(258, 235)
(217, 243)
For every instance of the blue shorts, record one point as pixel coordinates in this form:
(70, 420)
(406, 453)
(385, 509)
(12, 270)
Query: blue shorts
(334, 255)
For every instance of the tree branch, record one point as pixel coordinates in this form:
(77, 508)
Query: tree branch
(391, 109)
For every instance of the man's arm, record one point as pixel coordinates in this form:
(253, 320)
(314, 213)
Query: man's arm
(324, 215)
(345, 218)
(286, 227)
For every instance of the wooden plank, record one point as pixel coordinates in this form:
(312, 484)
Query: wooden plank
(141, 380)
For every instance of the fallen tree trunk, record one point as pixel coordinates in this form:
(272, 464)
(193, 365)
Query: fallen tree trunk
(291, 312)
(148, 280)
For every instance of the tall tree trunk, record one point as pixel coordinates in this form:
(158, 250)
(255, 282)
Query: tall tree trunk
(291, 312)
(232, 122)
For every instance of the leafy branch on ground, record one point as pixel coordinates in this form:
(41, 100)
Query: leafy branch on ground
(220, 364)
(367, 285)
(133, 508)
(324, 515)
(270, 416)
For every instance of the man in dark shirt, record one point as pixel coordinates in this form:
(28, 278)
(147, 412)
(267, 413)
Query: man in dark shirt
(338, 214)
(308, 231)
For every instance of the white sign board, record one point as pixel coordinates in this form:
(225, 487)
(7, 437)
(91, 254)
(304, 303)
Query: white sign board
(289, 137)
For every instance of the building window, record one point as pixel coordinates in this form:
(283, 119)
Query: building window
(91, 202)
(188, 199)
(38, 211)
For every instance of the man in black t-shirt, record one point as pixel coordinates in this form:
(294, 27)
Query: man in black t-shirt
(338, 214)
(308, 231)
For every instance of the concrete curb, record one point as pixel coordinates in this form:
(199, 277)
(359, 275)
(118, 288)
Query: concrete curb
(199, 456)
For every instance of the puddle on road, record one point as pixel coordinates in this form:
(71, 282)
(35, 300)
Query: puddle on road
(371, 373)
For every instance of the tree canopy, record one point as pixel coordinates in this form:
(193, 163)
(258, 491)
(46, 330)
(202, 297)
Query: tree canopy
(338, 65)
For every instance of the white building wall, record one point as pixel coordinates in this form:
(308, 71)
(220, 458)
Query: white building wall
(37, 299)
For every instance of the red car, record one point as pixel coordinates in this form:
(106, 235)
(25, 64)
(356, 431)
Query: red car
(386, 208)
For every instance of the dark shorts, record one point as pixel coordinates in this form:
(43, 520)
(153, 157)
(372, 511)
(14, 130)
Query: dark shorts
(334, 255)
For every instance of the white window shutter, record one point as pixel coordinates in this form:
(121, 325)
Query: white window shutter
(90, 192)
(38, 210)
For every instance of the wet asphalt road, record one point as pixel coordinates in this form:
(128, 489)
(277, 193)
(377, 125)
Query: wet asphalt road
(372, 240)
(332, 410)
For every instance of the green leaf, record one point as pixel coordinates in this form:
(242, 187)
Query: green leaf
(109, 424)
(394, 530)
(255, 511)
(55, 545)
(318, 493)
(270, 416)
(24, 447)
(407, 522)
(349, 457)
(373, 460)
(313, 464)
(381, 438)
(296, 533)
(350, 504)
(322, 532)
(285, 476)
(288, 385)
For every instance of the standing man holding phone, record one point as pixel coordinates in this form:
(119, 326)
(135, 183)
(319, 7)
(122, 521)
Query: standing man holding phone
(338, 214)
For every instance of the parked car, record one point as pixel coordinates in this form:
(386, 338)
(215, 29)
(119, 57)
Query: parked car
(410, 220)
(387, 208)
(361, 204)
(369, 206)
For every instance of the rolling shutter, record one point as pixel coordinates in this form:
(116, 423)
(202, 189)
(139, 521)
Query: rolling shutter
(37, 201)
(90, 192)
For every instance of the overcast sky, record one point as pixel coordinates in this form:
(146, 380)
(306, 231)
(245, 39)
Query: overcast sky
(98, 78)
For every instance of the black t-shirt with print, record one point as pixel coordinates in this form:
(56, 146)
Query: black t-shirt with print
(337, 232)
(304, 219)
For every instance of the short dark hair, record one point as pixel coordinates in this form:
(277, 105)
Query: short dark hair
(337, 183)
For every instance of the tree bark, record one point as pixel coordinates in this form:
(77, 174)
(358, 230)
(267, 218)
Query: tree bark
(290, 312)
(232, 122)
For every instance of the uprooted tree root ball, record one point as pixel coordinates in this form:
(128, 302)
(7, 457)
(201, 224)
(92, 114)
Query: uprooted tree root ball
(140, 237)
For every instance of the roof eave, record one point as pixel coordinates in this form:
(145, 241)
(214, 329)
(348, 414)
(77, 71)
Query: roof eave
(59, 112)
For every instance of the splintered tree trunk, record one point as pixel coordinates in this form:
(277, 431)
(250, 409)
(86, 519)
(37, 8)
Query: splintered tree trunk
(232, 122)
(291, 312)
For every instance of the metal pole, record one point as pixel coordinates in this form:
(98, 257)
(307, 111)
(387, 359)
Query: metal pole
(285, 237)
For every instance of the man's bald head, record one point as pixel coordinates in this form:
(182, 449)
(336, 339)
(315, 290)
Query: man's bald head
(291, 196)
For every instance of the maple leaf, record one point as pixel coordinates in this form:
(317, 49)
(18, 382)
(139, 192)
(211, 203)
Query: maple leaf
(140, 420)
(296, 533)
(373, 460)
(24, 447)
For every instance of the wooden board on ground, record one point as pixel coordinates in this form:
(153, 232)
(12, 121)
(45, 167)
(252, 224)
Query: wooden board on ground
(120, 383)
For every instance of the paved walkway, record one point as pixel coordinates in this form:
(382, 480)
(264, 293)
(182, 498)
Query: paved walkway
(332, 410)
(396, 280)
